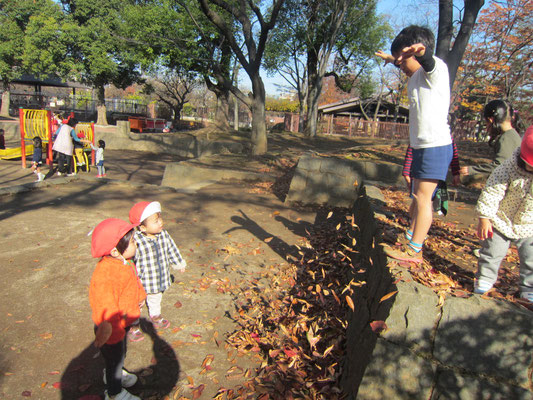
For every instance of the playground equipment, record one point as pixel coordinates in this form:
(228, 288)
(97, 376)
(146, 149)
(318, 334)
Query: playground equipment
(34, 123)
(79, 158)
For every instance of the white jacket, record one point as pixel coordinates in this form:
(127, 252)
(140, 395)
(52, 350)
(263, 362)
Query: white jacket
(63, 142)
(507, 199)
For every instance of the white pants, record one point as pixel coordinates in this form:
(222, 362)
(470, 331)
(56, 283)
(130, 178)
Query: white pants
(153, 302)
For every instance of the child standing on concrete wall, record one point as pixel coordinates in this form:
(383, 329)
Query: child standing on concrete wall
(156, 254)
(505, 209)
(429, 133)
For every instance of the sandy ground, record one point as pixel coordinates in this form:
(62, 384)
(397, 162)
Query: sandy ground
(46, 341)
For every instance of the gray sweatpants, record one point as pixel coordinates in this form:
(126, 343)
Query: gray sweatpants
(495, 249)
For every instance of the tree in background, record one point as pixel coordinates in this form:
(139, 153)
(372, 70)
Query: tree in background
(248, 47)
(499, 62)
(173, 89)
(27, 29)
(451, 46)
(98, 47)
(309, 34)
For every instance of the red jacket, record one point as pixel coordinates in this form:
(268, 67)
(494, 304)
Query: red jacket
(115, 293)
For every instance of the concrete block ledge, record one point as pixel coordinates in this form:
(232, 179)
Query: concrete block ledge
(466, 348)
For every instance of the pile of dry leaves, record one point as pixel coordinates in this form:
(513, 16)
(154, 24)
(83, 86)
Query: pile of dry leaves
(294, 319)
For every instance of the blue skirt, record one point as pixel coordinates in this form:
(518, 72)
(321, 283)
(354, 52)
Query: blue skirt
(432, 162)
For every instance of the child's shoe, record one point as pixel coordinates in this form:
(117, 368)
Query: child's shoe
(404, 253)
(59, 173)
(123, 395)
(160, 322)
(71, 174)
(135, 335)
(40, 177)
(98, 176)
(128, 379)
(481, 287)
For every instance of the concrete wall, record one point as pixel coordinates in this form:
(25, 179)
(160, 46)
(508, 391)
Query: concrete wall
(335, 181)
(434, 348)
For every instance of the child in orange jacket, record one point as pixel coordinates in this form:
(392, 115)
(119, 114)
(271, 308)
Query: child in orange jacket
(116, 296)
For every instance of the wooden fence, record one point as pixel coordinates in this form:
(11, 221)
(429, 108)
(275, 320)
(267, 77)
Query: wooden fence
(350, 126)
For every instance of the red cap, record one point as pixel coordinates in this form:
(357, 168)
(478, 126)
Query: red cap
(526, 148)
(142, 210)
(107, 234)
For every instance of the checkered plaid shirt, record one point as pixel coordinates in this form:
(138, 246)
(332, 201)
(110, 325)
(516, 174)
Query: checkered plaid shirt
(153, 259)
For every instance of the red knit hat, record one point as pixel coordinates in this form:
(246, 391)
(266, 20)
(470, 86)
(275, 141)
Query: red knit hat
(142, 210)
(107, 234)
(526, 148)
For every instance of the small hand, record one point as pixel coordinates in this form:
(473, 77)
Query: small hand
(416, 50)
(103, 332)
(407, 181)
(484, 229)
(387, 57)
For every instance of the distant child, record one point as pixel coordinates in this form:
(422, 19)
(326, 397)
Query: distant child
(503, 126)
(2, 140)
(115, 294)
(428, 91)
(505, 209)
(99, 158)
(37, 159)
(156, 254)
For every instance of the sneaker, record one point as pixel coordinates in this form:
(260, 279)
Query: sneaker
(123, 395)
(98, 176)
(128, 379)
(59, 173)
(404, 253)
(71, 174)
(160, 322)
(135, 335)
(528, 296)
(481, 287)
(40, 177)
(104, 175)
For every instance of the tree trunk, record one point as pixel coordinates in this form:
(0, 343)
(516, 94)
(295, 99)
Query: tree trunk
(259, 133)
(100, 106)
(222, 110)
(453, 56)
(313, 95)
(6, 100)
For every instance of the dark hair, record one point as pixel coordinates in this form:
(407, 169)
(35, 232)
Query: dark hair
(72, 122)
(37, 142)
(101, 144)
(501, 111)
(124, 242)
(411, 35)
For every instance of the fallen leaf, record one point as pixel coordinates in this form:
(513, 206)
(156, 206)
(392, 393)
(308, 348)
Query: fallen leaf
(388, 296)
(267, 240)
(26, 393)
(57, 385)
(178, 304)
(196, 393)
(350, 302)
(329, 215)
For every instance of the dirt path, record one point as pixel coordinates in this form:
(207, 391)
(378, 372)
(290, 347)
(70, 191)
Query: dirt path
(223, 231)
(46, 325)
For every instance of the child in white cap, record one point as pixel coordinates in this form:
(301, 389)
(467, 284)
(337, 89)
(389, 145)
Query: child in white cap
(505, 209)
(156, 254)
(115, 294)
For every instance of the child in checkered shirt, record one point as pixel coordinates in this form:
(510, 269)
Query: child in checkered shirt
(156, 254)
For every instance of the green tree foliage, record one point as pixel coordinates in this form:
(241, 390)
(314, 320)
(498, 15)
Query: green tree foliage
(310, 35)
(99, 48)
